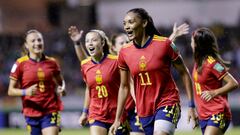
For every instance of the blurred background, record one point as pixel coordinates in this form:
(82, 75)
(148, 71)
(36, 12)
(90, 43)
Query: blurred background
(53, 17)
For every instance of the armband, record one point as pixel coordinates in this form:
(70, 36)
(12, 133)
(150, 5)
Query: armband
(191, 104)
(23, 92)
(85, 110)
(78, 43)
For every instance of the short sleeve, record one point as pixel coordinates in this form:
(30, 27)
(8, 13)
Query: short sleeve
(218, 70)
(121, 61)
(16, 73)
(173, 52)
(83, 74)
(57, 69)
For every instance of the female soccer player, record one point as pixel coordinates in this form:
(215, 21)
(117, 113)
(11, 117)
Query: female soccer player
(101, 74)
(208, 74)
(148, 58)
(117, 43)
(135, 126)
(34, 77)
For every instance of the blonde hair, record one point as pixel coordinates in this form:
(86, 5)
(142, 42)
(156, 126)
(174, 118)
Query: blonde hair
(24, 49)
(104, 38)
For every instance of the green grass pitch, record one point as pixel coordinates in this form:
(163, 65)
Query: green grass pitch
(85, 131)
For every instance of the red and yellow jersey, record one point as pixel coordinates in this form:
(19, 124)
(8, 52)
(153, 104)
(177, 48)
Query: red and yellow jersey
(29, 72)
(209, 79)
(103, 81)
(150, 69)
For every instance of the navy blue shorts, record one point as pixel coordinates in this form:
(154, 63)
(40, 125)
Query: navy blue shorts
(121, 131)
(134, 123)
(168, 113)
(36, 124)
(217, 120)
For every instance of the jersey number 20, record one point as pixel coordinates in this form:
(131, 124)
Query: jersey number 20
(102, 91)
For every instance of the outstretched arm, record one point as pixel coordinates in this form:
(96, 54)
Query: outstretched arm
(183, 29)
(76, 36)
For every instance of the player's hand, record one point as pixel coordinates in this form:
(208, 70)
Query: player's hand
(183, 29)
(31, 91)
(113, 129)
(61, 91)
(74, 33)
(192, 115)
(208, 95)
(83, 119)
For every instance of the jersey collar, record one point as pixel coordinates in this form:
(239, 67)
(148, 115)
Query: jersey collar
(42, 59)
(99, 62)
(145, 45)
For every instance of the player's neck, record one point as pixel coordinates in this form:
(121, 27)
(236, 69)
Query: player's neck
(36, 57)
(98, 58)
(142, 40)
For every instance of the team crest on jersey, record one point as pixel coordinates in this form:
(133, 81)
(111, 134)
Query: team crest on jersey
(218, 67)
(98, 77)
(40, 74)
(142, 63)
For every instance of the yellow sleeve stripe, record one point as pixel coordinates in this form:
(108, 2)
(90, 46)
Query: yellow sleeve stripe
(85, 60)
(13, 78)
(110, 56)
(22, 59)
(210, 59)
(159, 38)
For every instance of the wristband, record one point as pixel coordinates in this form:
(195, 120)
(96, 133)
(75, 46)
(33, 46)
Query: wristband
(77, 43)
(191, 104)
(85, 110)
(23, 92)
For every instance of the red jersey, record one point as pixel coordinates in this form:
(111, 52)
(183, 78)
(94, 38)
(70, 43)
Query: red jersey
(150, 69)
(29, 72)
(103, 80)
(130, 104)
(210, 78)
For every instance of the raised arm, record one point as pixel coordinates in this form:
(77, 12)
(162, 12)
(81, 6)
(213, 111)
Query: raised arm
(184, 73)
(122, 97)
(183, 29)
(76, 36)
